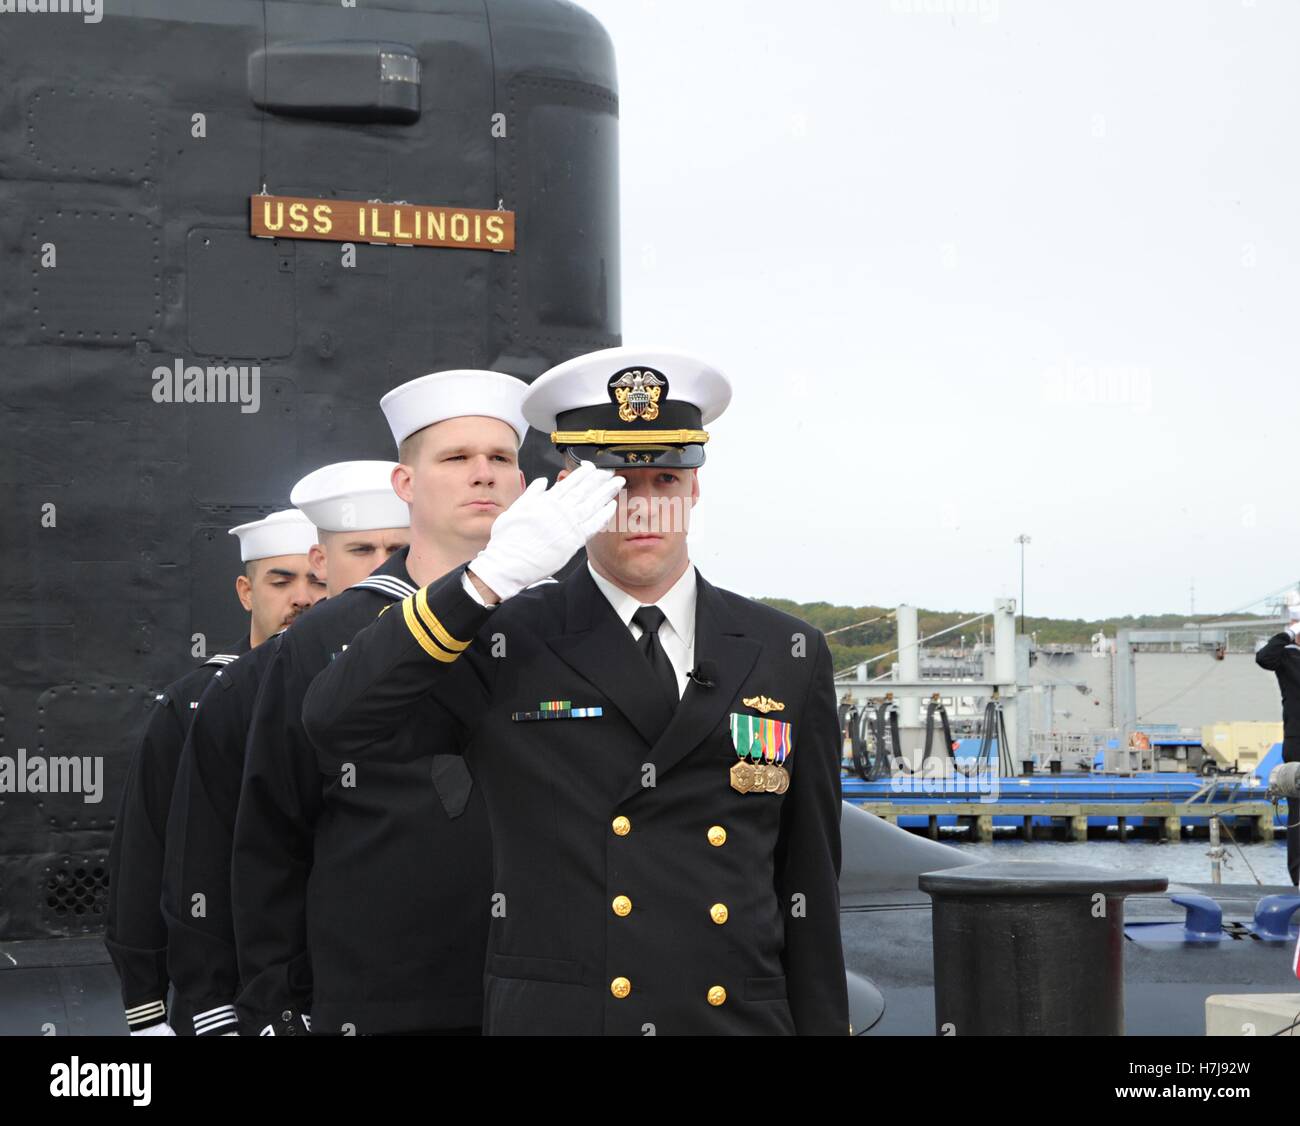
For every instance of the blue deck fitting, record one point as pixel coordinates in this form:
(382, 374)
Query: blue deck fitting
(1202, 924)
(1273, 917)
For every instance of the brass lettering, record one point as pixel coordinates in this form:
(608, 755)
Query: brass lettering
(380, 223)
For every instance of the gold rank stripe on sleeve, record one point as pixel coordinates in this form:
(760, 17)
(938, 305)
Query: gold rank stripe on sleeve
(430, 619)
(428, 631)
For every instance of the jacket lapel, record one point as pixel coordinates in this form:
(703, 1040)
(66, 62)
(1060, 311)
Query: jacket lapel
(596, 644)
(719, 638)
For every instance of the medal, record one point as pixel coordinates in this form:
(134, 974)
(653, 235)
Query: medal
(742, 777)
(762, 746)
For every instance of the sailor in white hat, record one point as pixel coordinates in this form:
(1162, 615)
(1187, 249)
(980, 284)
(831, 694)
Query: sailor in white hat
(277, 584)
(201, 946)
(660, 757)
(458, 435)
(355, 522)
(360, 521)
(316, 859)
(135, 932)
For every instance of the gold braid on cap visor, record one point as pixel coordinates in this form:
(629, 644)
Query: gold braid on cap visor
(628, 437)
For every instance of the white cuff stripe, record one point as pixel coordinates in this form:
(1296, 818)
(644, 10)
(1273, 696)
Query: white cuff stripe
(150, 1011)
(386, 584)
(214, 1018)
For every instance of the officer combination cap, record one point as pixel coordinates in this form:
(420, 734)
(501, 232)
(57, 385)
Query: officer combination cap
(454, 394)
(287, 532)
(627, 407)
(351, 496)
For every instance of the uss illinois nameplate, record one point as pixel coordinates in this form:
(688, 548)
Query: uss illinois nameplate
(396, 224)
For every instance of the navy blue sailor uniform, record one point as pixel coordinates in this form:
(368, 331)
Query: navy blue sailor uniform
(1281, 655)
(135, 932)
(200, 828)
(362, 895)
(639, 889)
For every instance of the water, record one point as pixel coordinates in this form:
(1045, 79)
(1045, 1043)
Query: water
(1181, 861)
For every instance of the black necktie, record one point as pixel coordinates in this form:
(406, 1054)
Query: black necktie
(650, 618)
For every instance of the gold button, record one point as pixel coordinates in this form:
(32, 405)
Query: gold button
(622, 905)
(622, 826)
(717, 836)
(717, 995)
(620, 987)
(718, 913)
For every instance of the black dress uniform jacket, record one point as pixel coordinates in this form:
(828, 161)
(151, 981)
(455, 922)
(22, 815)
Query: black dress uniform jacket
(135, 933)
(362, 895)
(200, 827)
(637, 891)
(1281, 655)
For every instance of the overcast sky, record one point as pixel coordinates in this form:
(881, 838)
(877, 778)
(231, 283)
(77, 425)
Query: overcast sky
(977, 270)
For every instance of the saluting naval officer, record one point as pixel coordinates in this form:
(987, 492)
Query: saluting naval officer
(1281, 655)
(196, 869)
(659, 757)
(363, 896)
(136, 933)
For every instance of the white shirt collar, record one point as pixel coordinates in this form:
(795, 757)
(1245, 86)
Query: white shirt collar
(678, 603)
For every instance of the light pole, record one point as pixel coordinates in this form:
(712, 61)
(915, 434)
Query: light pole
(1022, 540)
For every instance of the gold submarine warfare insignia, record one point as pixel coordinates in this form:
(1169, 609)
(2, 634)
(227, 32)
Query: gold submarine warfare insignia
(637, 394)
(764, 704)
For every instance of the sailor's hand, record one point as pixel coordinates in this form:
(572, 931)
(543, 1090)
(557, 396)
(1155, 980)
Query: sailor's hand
(540, 532)
(156, 1030)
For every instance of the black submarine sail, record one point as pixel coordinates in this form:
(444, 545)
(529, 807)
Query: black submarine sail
(134, 151)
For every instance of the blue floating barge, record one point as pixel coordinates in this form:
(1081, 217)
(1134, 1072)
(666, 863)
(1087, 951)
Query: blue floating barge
(1166, 802)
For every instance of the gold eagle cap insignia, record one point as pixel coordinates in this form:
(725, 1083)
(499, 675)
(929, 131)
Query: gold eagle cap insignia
(763, 704)
(637, 393)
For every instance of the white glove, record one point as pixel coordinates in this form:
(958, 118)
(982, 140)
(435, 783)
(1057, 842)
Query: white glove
(539, 533)
(163, 1029)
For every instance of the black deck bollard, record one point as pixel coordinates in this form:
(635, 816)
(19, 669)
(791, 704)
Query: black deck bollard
(1023, 948)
